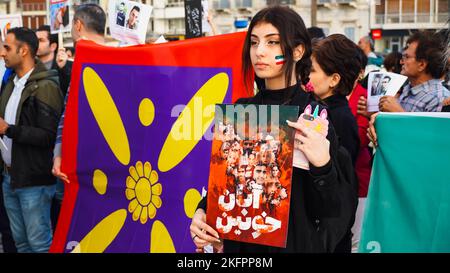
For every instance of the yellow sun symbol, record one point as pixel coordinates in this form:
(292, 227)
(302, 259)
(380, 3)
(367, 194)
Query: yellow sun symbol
(143, 191)
(142, 186)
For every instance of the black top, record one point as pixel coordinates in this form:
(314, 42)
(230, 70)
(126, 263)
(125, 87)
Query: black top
(277, 97)
(316, 221)
(64, 75)
(344, 123)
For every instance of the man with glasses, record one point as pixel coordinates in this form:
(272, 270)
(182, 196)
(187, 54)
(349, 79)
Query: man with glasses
(422, 64)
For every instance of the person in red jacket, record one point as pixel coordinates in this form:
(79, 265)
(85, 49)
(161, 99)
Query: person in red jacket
(363, 166)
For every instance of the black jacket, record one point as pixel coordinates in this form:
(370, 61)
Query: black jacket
(33, 135)
(315, 198)
(344, 123)
(64, 75)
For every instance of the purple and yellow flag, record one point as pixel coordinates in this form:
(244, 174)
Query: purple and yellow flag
(137, 140)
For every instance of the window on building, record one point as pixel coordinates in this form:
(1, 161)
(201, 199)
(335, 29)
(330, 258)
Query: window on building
(393, 11)
(408, 11)
(176, 26)
(221, 4)
(175, 3)
(280, 2)
(379, 11)
(33, 6)
(350, 33)
(395, 44)
(387, 42)
(243, 4)
(423, 10)
(443, 11)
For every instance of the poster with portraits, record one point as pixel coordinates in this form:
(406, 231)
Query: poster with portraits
(59, 16)
(250, 175)
(382, 84)
(128, 21)
(9, 21)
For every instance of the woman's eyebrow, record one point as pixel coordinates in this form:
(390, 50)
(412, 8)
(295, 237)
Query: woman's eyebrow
(267, 35)
(272, 34)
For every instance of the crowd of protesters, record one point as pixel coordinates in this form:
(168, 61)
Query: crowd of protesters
(336, 73)
(328, 71)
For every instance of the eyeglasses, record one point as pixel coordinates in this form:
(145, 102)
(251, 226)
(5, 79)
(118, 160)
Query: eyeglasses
(405, 56)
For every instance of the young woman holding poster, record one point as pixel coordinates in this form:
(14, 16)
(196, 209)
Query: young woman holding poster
(278, 49)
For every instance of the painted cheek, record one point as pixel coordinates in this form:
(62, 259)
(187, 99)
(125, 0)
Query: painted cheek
(279, 59)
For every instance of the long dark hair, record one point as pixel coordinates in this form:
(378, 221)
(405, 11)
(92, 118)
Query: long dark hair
(292, 32)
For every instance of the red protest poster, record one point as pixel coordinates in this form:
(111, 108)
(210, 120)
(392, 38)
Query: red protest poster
(250, 177)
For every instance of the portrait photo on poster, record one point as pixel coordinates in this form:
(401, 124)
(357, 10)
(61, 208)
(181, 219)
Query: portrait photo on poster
(382, 84)
(121, 10)
(129, 21)
(59, 16)
(133, 18)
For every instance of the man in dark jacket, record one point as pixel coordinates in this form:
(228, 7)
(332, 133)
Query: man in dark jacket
(30, 106)
(48, 46)
(47, 50)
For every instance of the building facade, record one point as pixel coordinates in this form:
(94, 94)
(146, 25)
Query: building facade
(34, 12)
(398, 18)
(349, 17)
(395, 19)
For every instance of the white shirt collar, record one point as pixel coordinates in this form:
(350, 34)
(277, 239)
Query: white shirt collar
(22, 81)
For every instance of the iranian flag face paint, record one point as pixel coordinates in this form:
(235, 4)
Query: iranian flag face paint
(280, 59)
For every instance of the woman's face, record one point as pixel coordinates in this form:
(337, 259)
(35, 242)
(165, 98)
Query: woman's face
(275, 171)
(265, 52)
(319, 80)
(233, 156)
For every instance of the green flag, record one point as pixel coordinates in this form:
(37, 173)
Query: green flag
(408, 205)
